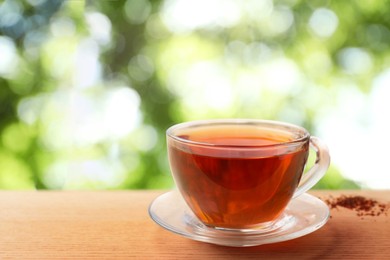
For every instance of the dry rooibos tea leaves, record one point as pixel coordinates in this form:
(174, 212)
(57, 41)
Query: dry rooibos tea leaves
(362, 205)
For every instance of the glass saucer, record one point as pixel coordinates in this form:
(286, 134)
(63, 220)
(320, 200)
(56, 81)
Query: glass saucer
(303, 215)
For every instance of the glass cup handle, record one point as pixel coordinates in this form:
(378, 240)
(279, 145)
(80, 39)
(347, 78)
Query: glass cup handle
(318, 170)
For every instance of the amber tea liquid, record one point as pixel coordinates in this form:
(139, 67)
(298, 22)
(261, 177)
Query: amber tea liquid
(235, 176)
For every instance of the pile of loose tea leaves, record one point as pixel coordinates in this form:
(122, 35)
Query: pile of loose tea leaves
(361, 205)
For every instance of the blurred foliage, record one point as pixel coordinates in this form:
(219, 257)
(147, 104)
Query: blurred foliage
(88, 88)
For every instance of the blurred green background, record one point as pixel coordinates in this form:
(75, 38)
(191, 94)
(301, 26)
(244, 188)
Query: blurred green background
(88, 88)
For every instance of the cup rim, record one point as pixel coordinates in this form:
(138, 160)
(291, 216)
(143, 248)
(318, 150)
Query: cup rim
(170, 132)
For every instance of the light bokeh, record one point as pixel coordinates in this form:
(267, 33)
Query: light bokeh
(113, 79)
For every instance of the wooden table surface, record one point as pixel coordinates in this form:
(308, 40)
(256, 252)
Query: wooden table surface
(116, 225)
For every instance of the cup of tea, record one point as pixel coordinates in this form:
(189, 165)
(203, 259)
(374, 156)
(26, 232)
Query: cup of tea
(242, 173)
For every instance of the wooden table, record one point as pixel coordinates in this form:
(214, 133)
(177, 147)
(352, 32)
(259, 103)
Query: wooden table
(116, 225)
